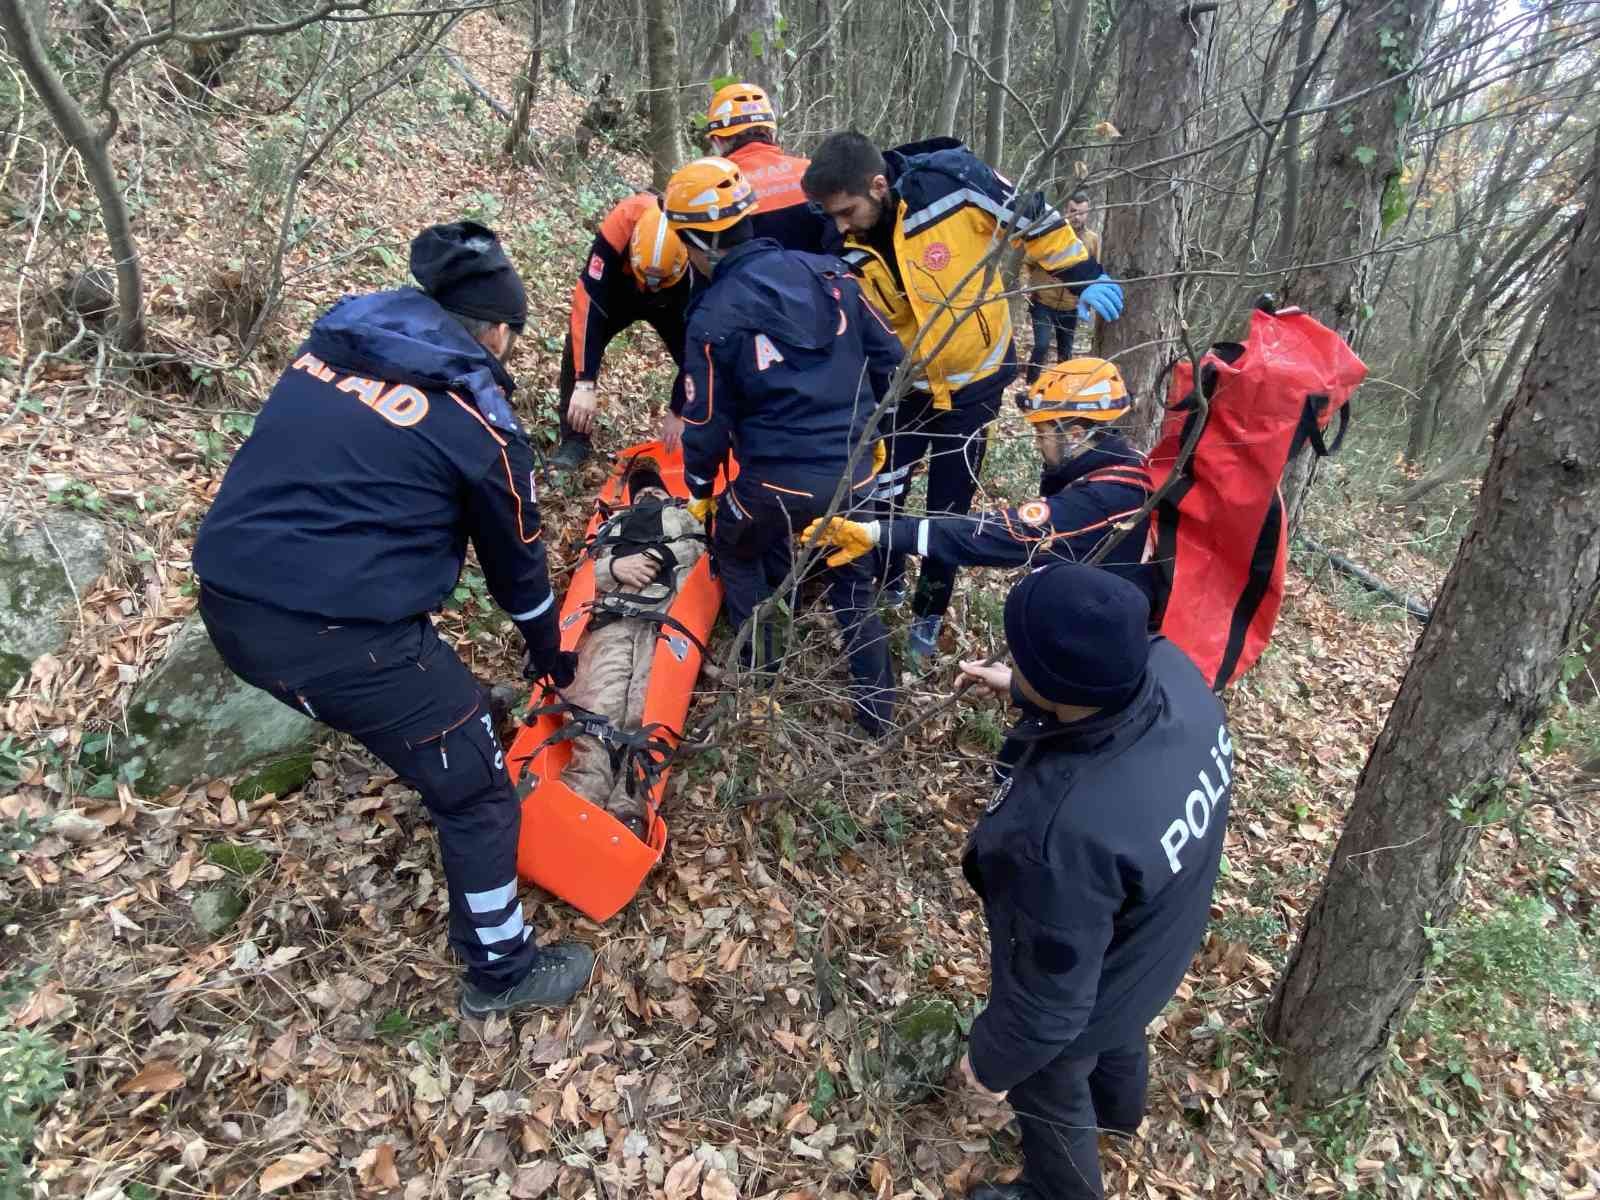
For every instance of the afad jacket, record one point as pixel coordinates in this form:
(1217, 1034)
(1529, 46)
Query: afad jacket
(783, 213)
(950, 207)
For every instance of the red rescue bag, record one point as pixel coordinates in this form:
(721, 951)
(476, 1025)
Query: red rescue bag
(1219, 538)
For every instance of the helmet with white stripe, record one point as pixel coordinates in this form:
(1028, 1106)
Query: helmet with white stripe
(655, 253)
(708, 195)
(1080, 389)
(738, 107)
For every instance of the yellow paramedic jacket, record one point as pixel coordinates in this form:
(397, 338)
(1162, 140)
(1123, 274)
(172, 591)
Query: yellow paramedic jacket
(950, 206)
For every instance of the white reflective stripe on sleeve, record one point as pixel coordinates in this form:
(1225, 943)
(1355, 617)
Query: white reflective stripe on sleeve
(509, 928)
(493, 957)
(949, 203)
(492, 900)
(693, 478)
(535, 612)
(922, 538)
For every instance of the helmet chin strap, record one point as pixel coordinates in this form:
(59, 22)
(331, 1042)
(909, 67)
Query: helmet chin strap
(710, 249)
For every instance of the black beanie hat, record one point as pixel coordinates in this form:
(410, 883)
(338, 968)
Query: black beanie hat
(1079, 635)
(462, 266)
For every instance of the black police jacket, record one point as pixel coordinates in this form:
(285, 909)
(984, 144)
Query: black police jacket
(384, 448)
(1095, 863)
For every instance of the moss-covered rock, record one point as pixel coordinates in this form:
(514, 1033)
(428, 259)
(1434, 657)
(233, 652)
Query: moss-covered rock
(921, 1044)
(195, 719)
(238, 857)
(278, 778)
(39, 569)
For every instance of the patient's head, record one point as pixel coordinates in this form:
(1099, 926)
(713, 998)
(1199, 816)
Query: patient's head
(645, 483)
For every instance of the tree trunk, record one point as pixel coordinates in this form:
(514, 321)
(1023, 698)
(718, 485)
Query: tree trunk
(826, 112)
(1305, 48)
(1357, 157)
(1066, 28)
(662, 36)
(1523, 581)
(566, 30)
(955, 67)
(1158, 61)
(994, 129)
(757, 53)
(527, 85)
(75, 129)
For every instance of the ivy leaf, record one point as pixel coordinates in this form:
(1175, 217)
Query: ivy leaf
(1366, 155)
(758, 44)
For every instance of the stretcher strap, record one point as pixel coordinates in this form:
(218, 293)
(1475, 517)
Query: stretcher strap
(634, 607)
(643, 752)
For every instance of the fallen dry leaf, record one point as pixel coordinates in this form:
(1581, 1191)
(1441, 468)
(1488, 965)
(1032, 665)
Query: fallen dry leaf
(534, 1179)
(683, 1180)
(718, 1187)
(376, 1167)
(291, 1169)
(157, 1075)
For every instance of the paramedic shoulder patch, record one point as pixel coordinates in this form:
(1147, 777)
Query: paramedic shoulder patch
(936, 257)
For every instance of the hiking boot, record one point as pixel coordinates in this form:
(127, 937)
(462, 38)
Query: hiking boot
(558, 974)
(922, 640)
(570, 454)
(635, 824)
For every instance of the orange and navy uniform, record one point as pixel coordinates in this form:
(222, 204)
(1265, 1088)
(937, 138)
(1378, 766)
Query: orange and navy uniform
(1081, 502)
(784, 214)
(608, 298)
(387, 445)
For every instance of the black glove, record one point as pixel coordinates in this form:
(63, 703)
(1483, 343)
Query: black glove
(560, 667)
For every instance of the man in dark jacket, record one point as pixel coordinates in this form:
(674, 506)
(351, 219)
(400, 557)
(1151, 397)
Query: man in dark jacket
(1093, 483)
(1095, 862)
(916, 222)
(785, 364)
(343, 521)
(636, 271)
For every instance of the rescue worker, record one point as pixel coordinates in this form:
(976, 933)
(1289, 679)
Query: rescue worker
(785, 364)
(1054, 310)
(1092, 482)
(743, 126)
(636, 271)
(646, 552)
(915, 223)
(343, 521)
(1095, 862)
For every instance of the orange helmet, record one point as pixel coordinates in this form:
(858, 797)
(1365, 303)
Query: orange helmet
(1080, 389)
(708, 195)
(655, 254)
(738, 107)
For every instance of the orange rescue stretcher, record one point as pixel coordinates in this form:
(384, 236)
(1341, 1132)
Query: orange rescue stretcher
(571, 847)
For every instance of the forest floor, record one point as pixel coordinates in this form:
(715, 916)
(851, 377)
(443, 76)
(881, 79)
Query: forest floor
(316, 1048)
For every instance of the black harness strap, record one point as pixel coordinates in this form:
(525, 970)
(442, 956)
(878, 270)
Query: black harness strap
(642, 752)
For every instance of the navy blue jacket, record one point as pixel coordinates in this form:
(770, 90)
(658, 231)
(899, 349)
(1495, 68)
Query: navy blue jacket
(1081, 502)
(1095, 863)
(385, 446)
(784, 365)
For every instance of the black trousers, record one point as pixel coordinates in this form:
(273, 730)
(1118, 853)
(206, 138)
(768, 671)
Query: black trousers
(753, 540)
(954, 440)
(404, 695)
(1058, 323)
(1063, 1109)
(666, 321)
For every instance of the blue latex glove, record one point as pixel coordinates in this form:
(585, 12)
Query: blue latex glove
(1083, 312)
(1104, 296)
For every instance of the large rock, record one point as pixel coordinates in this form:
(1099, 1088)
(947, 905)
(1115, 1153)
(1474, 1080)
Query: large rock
(195, 719)
(922, 1042)
(36, 605)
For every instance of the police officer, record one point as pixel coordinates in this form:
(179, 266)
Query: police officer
(1095, 863)
(636, 271)
(343, 520)
(916, 223)
(743, 126)
(1092, 484)
(785, 364)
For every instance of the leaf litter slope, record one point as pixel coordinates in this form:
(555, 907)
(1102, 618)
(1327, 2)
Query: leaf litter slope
(723, 1048)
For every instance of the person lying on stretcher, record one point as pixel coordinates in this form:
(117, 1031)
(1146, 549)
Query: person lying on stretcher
(642, 557)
